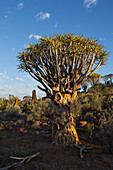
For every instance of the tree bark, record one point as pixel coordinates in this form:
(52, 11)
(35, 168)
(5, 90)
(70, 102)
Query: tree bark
(64, 99)
(64, 127)
(34, 95)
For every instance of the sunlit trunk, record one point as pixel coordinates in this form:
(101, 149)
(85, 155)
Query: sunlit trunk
(64, 126)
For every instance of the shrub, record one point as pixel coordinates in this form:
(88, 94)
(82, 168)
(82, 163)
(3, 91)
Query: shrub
(86, 107)
(42, 108)
(105, 133)
(13, 111)
(89, 127)
(96, 102)
(89, 116)
(76, 107)
(107, 102)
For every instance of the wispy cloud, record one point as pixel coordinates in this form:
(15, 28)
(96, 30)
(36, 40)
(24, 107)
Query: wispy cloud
(56, 25)
(18, 78)
(6, 16)
(102, 39)
(42, 16)
(20, 5)
(37, 37)
(27, 76)
(90, 3)
(13, 49)
(31, 35)
(4, 75)
(29, 85)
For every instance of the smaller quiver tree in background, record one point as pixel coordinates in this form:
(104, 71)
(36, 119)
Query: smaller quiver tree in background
(94, 79)
(34, 98)
(61, 64)
(111, 77)
(105, 77)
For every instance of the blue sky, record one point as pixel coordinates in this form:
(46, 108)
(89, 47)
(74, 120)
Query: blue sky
(24, 21)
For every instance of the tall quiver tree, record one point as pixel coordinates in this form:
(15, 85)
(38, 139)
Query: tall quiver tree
(60, 64)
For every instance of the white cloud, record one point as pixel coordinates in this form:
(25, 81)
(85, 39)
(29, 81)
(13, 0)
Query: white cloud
(31, 35)
(102, 39)
(29, 85)
(1, 79)
(20, 5)
(4, 75)
(18, 78)
(37, 37)
(6, 16)
(90, 3)
(27, 76)
(1, 74)
(42, 16)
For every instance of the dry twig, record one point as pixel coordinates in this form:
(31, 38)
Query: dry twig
(83, 148)
(91, 132)
(24, 159)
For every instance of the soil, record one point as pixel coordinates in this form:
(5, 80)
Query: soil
(36, 137)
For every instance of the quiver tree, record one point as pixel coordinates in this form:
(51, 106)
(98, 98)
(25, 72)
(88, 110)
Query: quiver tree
(34, 95)
(85, 85)
(60, 64)
(105, 77)
(94, 79)
(111, 77)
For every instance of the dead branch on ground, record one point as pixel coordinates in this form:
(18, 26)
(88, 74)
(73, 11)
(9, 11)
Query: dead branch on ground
(23, 160)
(83, 148)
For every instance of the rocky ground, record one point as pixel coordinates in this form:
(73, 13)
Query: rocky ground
(19, 138)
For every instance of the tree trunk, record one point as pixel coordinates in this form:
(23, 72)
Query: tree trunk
(64, 99)
(64, 127)
(34, 95)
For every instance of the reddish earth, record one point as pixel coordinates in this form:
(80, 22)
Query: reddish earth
(36, 138)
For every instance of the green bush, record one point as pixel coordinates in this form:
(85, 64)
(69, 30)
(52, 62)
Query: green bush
(105, 133)
(76, 107)
(96, 102)
(86, 107)
(89, 127)
(42, 108)
(107, 102)
(13, 111)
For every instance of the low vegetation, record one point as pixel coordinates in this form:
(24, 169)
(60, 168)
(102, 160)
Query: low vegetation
(94, 107)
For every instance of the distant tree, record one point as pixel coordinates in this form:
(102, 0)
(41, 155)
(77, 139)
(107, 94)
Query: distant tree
(61, 64)
(94, 79)
(111, 77)
(34, 95)
(85, 85)
(27, 98)
(105, 77)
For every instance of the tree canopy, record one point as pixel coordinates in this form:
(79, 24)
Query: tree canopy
(62, 62)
